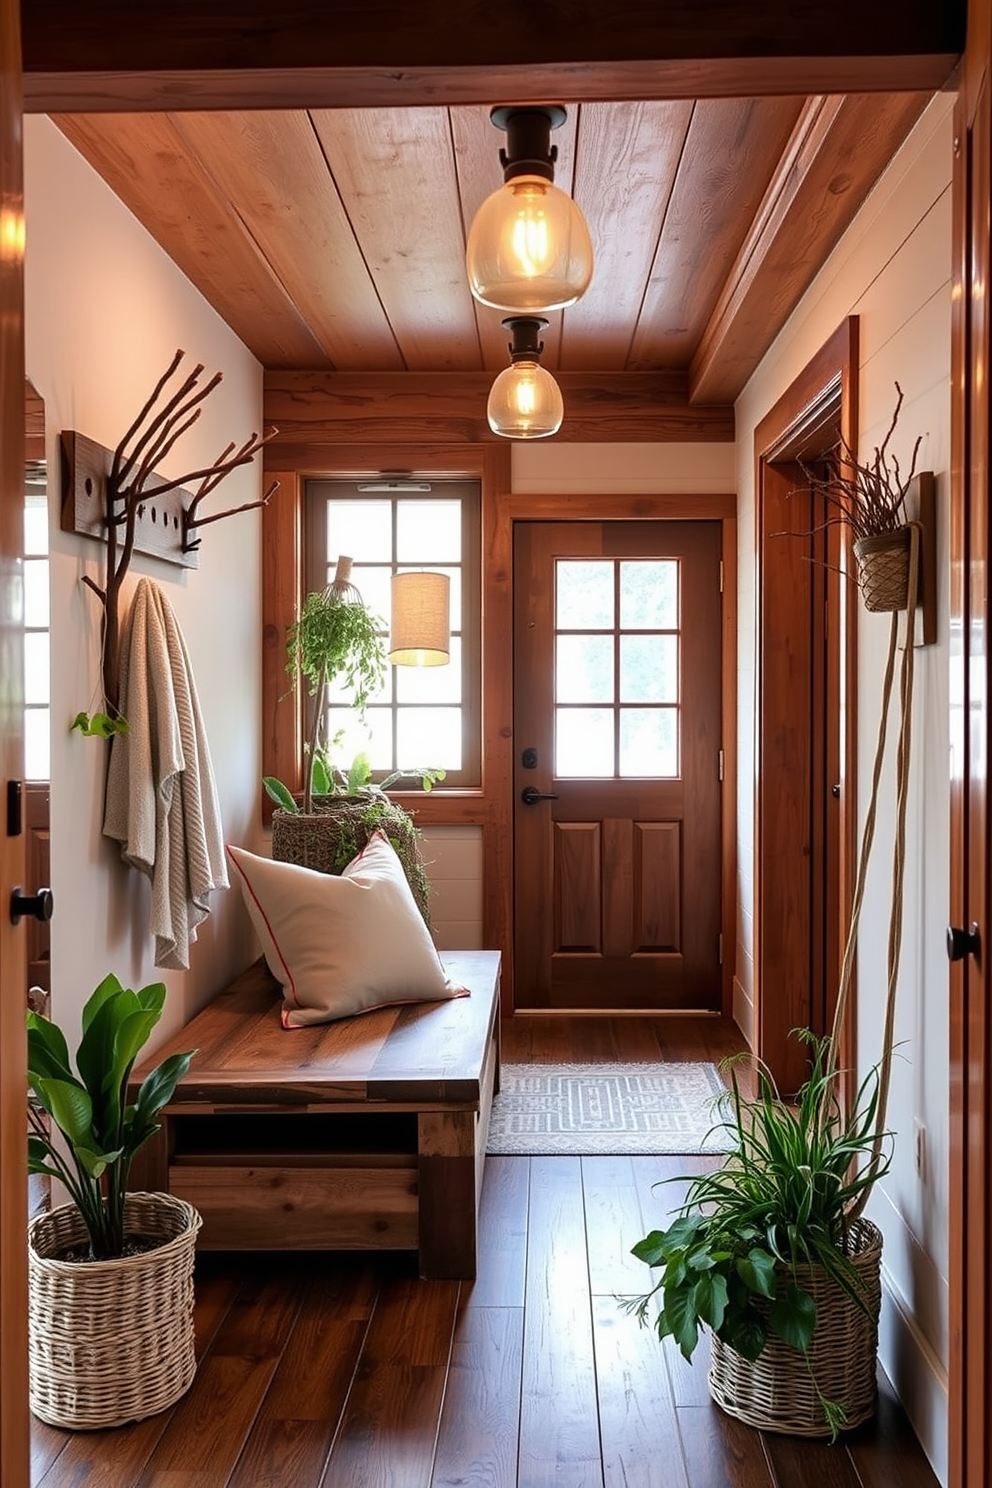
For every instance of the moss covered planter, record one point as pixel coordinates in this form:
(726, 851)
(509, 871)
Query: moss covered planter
(335, 831)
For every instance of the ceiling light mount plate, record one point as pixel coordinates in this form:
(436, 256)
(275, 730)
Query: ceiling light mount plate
(529, 151)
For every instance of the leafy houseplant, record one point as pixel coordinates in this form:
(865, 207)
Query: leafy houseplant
(784, 1208)
(101, 1131)
(110, 1275)
(335, 638)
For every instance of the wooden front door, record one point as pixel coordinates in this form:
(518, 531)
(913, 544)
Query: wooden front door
(617, 687)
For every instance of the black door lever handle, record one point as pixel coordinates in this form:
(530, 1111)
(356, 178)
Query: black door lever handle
(530, 795)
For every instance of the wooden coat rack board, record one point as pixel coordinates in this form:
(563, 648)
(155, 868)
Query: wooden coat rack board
(921, 502)
(117, 497)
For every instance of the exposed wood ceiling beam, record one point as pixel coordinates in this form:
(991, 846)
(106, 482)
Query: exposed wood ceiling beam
(111, 54)
(318, 411)
(839, 146)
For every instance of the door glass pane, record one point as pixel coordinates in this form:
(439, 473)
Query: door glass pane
(36, 592)
(36, 526)
(584, 669)
(649, 669)
(649, 742)
(339, 693)
(584, 743)
(434, 684)
(362, 529)
(649, 595)
(429, 737)
(36, 667)
(428, 531)
(37, 744)
(585, 595)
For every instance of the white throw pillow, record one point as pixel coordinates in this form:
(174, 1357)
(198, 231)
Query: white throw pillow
(342, 945)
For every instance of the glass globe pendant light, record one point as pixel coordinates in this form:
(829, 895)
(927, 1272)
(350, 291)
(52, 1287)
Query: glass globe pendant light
(529, 247)
(525, 401)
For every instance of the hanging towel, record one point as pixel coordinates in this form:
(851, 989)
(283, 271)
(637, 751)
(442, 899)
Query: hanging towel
(161, 798)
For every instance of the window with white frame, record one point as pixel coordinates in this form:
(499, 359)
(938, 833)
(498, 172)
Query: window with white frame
(424, 717)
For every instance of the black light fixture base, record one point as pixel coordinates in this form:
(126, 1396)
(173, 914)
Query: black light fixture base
(525, 330)
(529, 151)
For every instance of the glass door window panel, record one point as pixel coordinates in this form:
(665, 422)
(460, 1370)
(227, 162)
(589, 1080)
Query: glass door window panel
(585, 594)
(617, 643)
(584, 669)
(429, 738)
(585, 745)
(37, 720)
(428, 532)
(649, 594)
(426, 685)
(361, 529)
(649, 668)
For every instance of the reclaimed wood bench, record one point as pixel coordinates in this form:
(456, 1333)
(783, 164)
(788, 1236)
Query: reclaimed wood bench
(367, 1133)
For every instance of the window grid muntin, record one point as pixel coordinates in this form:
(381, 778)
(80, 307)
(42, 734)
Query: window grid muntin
(321, 548)
(618, 631)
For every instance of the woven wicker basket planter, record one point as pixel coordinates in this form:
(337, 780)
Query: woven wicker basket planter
(338, 827)
(883, 570)
(111, 1341)
(776, 1392)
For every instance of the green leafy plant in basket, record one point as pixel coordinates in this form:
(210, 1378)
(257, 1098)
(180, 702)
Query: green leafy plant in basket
(734, 1258)
(89, 1106)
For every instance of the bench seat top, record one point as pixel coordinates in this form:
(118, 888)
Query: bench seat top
(409, 1055)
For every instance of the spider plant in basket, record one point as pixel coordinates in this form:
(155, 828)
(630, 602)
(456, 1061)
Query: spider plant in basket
(769, 1252)
(110, 1274)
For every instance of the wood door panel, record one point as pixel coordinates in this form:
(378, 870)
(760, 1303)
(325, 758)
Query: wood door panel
(578, 886)
(657, 878)
(606, 863)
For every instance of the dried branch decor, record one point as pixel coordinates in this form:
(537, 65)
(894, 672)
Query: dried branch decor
(870, 499)
(165, 417)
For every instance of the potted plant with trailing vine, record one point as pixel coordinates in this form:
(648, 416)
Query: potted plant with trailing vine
(110, 1274)
(337, 639)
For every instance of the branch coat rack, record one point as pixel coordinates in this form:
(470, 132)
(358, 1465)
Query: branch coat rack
(116, 496)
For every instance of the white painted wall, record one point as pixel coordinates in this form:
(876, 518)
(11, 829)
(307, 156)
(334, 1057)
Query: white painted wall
(893, 270)
(105, 311)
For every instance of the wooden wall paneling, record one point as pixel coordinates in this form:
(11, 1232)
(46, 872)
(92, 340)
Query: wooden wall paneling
(198, 229)
(837, 151)
(970, 1372)
(13, 941)
(628, 160)
(702, 233)
(477, 143)
(208, 54)
(728, 573)
(317, 412)
(273, 167)
(394, 217)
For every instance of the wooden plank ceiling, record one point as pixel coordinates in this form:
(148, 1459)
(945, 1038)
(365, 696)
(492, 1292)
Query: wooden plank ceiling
(334, 239)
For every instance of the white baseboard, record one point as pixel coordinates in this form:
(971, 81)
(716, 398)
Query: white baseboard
(917, 1375)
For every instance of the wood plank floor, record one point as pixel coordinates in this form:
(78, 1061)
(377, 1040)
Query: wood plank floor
(334, 1371)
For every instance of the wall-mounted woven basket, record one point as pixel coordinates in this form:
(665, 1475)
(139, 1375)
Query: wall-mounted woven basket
(777, 1392)
(883, 569)
(111, 1341)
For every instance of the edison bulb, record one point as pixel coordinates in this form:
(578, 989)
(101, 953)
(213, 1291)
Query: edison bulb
(529, 248)
(525, 403)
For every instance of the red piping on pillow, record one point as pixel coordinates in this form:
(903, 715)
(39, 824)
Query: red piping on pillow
(289, 975)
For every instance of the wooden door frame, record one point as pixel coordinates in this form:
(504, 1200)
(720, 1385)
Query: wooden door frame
(970, 1282)
(824, 393)
(14, 1421)
(498, 546)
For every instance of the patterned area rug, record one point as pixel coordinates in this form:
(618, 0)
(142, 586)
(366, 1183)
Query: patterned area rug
(606, 1109)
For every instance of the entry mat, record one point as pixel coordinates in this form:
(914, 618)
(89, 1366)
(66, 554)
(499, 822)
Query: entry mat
(617, 1110)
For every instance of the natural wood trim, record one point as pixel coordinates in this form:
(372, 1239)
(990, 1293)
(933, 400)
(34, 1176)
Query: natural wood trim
(728, 728)
(282, 586)
(826, 390)
(14, 1419)
(215, 55)
(667, 507)
(820, 167)
(318, 410)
